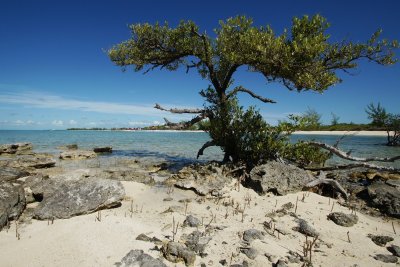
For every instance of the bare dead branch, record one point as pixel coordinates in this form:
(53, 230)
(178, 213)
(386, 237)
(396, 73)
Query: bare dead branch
(186, 124)
(206, 145)
(345, 155)
(180, 111)
(323, 180)
(242, 89)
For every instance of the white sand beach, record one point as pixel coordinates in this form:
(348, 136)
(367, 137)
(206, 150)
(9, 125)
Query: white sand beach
(83, 241)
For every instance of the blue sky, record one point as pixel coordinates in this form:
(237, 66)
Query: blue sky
(54, 73)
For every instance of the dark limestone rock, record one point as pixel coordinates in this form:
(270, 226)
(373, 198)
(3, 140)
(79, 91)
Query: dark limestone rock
(395, 250)
(244, 264)
(106, 149)
(137, 258)
(380, 240)
(386, 198)
(278, 178)
(12, 202)
(191, 221)
(251, 253)
(252, 234)
(342, 219)
(280, 263)
(386, 258)
(306, 229)
(202, 179)
(176, 252)
(64, 199)
(143, 237)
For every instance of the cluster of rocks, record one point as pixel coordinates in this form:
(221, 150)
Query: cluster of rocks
(281, 178)
(18, 148)
(59, 196)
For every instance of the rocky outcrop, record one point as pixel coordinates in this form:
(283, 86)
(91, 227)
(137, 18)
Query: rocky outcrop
(12, 202)
(203, 179)
(26, 163)
(17, 148)
(64, 199)
(278, 178)
(137, 258)
(385, 197)
(77, 154)
(11, 174)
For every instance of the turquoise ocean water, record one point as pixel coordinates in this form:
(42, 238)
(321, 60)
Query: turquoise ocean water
(174, 146)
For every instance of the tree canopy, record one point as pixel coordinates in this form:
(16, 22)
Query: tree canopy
(301, 58)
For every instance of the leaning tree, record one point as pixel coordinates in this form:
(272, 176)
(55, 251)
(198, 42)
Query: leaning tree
(301, 58)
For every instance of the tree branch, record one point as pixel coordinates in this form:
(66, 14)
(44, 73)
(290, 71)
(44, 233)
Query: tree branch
(242, 89)
(323, 180)
(186, 124)
(345, 155)
(180, 111)
(206, 145)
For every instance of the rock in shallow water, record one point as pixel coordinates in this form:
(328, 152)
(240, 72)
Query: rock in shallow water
(106, 149)
(66, 199)
(15, 148)
(77, 154)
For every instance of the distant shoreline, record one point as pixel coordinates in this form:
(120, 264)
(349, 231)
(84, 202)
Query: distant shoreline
(355, 133)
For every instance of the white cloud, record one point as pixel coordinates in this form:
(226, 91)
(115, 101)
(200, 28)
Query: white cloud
(41, 100)
(19, 122)
(72, 122)
(58, 123)
(38, 100)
